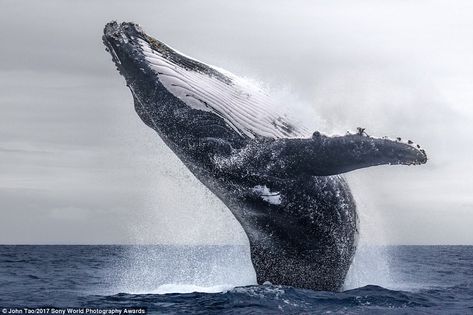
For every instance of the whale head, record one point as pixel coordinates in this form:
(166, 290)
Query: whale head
(128, 46)
(198, 98)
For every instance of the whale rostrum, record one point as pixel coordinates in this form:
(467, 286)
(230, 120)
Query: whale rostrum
(281, 181)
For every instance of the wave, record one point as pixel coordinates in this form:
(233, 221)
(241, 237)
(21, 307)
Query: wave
(188, 288)
(272, 299)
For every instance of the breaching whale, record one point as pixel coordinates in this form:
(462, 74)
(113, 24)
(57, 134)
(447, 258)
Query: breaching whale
(280, 181)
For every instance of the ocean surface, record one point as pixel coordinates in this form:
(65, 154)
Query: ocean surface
(422, 279)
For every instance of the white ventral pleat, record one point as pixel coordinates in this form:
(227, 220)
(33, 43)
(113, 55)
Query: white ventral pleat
(244, 107)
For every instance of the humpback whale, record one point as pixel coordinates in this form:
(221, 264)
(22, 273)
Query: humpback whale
(281, 181)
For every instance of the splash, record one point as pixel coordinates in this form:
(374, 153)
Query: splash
(162, 269)
(371, 264)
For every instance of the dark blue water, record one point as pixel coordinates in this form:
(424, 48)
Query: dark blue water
(438, 280)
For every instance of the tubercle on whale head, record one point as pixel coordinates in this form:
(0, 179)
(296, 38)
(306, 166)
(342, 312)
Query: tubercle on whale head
(121, 40)
(124, 31)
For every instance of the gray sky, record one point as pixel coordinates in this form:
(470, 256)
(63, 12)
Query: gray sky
(78, 166)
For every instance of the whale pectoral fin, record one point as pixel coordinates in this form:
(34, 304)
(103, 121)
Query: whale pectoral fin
(323, 156)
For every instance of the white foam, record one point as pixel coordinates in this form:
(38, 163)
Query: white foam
(267, 195)
(186, 288)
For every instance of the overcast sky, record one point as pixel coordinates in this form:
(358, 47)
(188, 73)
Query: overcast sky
(78, 166)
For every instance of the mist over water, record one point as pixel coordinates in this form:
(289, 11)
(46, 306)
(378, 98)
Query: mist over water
(169, 268)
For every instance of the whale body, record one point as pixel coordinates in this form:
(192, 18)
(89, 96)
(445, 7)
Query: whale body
(281, 181)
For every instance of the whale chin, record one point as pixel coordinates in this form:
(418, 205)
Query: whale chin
(280, 181)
